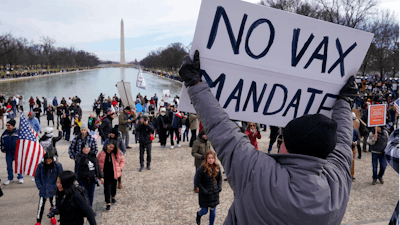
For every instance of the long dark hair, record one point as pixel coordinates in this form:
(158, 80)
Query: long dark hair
(115, 150)
(68, 182)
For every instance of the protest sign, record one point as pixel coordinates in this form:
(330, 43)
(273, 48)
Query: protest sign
(269, 66)
(166, 95)
(376, 115)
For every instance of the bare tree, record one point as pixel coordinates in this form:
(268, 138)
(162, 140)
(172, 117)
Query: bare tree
(385, 26)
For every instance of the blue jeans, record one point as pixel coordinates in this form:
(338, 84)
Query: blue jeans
(382, 165)
(89, 185)
(9, 159)
(203, 211)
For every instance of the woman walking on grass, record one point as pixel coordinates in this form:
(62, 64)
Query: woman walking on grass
(209, 181)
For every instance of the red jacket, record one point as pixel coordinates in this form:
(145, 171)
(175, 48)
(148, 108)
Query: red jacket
(118, 165)
(253, 137)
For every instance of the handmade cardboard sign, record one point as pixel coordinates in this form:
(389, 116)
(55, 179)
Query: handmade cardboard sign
(376, 115)
(269, 66)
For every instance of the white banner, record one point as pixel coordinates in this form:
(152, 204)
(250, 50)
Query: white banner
(269, 66)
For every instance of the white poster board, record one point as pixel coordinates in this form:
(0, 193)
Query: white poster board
(269, 66)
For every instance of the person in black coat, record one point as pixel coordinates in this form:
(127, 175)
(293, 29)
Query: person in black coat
(71, 201)
(50, 114)
(209, 181)
(88, 171)
(162, 127)
(145, 129)
(106, 126)
(66, 126)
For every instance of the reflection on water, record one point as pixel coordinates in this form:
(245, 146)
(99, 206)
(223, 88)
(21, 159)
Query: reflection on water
(87, 85)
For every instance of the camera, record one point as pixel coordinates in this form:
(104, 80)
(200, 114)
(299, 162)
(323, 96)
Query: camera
(52, 213)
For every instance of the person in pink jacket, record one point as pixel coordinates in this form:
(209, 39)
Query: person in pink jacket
(253, 134)
(111, 163)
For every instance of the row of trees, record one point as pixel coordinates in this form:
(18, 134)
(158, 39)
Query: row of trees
(383, 54)
(19, 51)
(169, 58)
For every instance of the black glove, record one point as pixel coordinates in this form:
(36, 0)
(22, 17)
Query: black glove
(349, 91)
(203, 157)
(190, 71)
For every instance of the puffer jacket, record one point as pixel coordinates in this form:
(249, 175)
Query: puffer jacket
(9, 141)
(46, 183)
(194, 122)
(105, 128)
(278, 188)
(118, 165)
(199, 149)
(379, 145)
(208, 189)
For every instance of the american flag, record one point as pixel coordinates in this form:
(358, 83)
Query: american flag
(29, 152)
(396, 104)
(96, 136)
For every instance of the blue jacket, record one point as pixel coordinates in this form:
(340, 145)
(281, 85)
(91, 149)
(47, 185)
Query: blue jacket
(46, 183)
(9, 141)
(55, 102)
(35, 124)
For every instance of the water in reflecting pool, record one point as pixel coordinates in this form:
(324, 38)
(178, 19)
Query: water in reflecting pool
(87, 85)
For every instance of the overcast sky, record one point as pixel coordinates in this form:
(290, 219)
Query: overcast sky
(94, 25)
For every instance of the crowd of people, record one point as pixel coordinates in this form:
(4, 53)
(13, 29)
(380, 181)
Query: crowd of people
(71, 192)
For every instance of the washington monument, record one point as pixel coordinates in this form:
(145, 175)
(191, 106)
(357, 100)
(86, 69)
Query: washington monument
(122, 43)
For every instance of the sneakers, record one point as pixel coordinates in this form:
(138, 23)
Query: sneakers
(20, 181)
(53, 221)
(374, 182)
(141, 169)
(179, 145)
(380, 179)
(8, 182)
(359, 157)
(113, 200)
(108, 207)
(129, 147)
(38, 223)
(148, 167)
(172, 147)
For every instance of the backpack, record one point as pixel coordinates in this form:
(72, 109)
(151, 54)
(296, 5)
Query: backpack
(82, 191)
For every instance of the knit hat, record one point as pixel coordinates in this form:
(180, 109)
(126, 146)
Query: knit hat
(114, 131)
(313, 135)
(127, 108)
(162, 109)
(48, 130)
(83, 126)
(11, 122)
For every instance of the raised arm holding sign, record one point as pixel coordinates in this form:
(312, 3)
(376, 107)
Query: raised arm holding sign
(311, 178)
(280, 69)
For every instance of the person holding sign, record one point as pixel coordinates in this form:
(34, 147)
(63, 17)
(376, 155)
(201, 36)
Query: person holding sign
(377, 139)
(310, 178)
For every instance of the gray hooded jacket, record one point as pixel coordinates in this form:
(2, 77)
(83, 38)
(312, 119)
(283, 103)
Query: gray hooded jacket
(278, 188)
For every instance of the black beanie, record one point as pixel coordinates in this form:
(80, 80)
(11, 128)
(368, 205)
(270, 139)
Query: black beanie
(114, 131)
(313, 135)
(11, 122)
